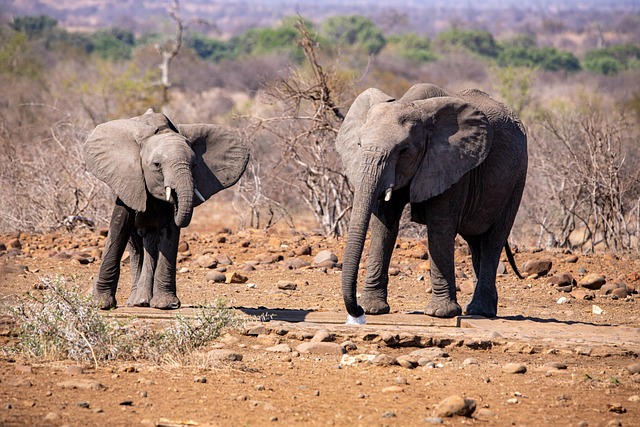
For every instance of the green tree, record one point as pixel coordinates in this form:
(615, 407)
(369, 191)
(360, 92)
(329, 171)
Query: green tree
(411, 46)
(547, 58)
(109, 45)
(16, 56)
(613, 59)
(355, 30)
(34, 26)
(478, 41)
(262, 41)
(208, 48)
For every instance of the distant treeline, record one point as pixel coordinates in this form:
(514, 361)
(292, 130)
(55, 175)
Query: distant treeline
(353, 34)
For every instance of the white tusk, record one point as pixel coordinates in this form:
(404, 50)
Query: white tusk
(168, 193)
(387, 194)
(199, 195)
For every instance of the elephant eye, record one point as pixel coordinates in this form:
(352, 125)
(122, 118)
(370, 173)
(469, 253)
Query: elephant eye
(156, 164)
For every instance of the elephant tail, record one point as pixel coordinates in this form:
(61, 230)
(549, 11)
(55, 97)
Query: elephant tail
(512, 261)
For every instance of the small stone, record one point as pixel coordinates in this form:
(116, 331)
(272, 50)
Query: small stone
(563, 300)
(407, 361)
(183, 246)
(280, 348)
(514, 368)
(74, 370)
(83, 404)
(286, 285)
(538, 267)
(562, 280)
(469, 361)
(52, 416)
(223, 259)
(320, 348)
(235, 278)
(592, 281)
(393, 389)
(302, 250)
(455, 405)
(555, 365)
(389, 414)
(401, 380)
(215, 276)
(207, 261)
(634, 368)
(201, 380)
(583, 294)
(349, 345)
(325, 255)
(82, 384)
(322, 336)
(224, 355)
(384, 360)
(296, 263)
(596, 310)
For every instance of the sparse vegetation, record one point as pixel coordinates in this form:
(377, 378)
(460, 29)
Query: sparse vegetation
(59, 321)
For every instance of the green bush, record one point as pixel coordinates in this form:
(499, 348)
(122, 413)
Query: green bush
(356, 31)
(546, 58)
(411, 46)
(480, 42)
(613, 59)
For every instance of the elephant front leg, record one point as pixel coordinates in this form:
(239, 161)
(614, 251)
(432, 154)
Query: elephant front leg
(142, 284)
(106, 284)
(441, 249)
(164, 282)
(384, 232)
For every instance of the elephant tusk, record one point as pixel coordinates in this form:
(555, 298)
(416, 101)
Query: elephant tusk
(387, 194)
(199, 195)
(168, 193)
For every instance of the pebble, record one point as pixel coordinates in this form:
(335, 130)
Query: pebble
(592, 281)
(393, 389)
(296, 264)
(430, 352)
(325, 255)
(433, 420)
(224, 355)
(215, 276)
(207, 261)
(384, 360)
(407, 361)
(555, 365)
(74, 370)
(470, 361)
(52, 416)
(280, 348)
(633, 368)
(81, 384)
(354, 360)
(322, 336)
(455, 405)
(349, 345)
(538, 267)
(286, 285)
(320, 348)
(514, 368)
(235, 278)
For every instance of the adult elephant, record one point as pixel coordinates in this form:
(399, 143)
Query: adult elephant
(159, 173)
(460, 160)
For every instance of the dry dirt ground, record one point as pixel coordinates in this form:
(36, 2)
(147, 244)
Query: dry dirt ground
(581, 363)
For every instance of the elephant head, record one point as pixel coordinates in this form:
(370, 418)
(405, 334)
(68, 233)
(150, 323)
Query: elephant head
(422, 143)
(149, 155)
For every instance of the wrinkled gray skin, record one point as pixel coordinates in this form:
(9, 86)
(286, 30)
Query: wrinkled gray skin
(155, 168)
(461, 162)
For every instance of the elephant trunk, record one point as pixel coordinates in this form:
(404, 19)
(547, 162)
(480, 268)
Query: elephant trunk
(366, 194)
(184, 198)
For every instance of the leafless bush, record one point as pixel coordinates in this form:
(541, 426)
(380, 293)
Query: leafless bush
(44, 181)
(584, 187)
(304, 129)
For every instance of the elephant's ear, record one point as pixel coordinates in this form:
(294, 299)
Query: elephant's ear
(459, 139)
(112, 154)
(221, 157)
(348, 139)
(423, 91)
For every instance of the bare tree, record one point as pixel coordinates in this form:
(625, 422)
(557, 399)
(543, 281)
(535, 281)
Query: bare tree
(305, 127)
(587, 179)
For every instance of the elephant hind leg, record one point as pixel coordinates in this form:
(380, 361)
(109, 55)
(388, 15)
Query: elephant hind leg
(142, 291)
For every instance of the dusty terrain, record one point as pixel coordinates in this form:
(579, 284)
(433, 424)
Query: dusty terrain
(580, 361)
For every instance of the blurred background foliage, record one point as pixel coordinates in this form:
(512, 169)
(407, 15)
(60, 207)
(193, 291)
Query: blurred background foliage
(59, 84)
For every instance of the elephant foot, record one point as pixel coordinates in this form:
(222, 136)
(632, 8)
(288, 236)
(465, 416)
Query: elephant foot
(482, 308)
(444, 308)
(165, 302)
(137, 300)
(374, 302)
(105, 301)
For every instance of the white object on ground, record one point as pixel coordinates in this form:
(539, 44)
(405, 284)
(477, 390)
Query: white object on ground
(362, 320)
(596, 310)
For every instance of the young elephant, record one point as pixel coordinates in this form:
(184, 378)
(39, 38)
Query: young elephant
(460, 160)
(159, 173)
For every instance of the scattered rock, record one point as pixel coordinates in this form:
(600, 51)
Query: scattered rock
(354, 360)
(235, 278)
(322, 336)
(325, 255)
(215, 276)
(52, 416)
(393, 389)
(302, 250)
(455, 405)
(584, 294)
(224, 355)
(183, 246)
(384, 360)
(207, 261)
(320, 348)
(74, 370)
(81, 384)
(514, 368)
(280, 348)
(286, 285)
(562, 280)
(634, 368)
(538, 267)
(296, 263)
(592, 281)
(407, 361)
